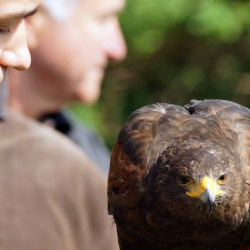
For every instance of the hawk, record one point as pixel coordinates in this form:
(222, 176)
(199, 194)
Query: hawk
(179, 177)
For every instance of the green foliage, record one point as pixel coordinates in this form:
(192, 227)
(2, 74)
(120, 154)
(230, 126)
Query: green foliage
(178, 50)
(146, 22)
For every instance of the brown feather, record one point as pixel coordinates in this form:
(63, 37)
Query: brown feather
(158, 144)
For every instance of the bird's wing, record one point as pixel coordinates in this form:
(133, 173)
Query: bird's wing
(138, 146)
(235, 117)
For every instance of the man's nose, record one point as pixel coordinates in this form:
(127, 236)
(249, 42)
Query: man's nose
(16, 54)
(116, 45)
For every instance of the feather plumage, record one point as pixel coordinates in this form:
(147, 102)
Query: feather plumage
(164, 159)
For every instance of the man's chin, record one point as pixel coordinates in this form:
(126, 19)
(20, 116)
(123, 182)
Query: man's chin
(87, 99)
(88, 92)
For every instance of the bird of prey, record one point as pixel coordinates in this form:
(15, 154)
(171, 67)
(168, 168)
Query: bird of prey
(179, 177)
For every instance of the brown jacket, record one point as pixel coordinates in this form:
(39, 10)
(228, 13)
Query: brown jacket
(51, 195)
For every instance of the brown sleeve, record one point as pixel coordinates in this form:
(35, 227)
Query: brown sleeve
(51, 196)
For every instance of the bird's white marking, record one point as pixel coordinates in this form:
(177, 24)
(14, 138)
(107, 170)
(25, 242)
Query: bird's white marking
(247, 206)
(159, 108)
(211, 151)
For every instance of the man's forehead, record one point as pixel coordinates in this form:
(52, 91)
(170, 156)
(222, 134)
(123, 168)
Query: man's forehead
(107, 6)
(60, 9)
(17, 8)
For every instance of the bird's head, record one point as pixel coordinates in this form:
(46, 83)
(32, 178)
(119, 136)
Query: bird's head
(197, 176)
(207, 189)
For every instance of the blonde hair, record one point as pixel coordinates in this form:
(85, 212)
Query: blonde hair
(59, 9)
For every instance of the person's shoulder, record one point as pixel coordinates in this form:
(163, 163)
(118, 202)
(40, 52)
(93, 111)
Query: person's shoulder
(22, 128)
(52, 172)
(16, 124)
(26, 138)
(18, 127)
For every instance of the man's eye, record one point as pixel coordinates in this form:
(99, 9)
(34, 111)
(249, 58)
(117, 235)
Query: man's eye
(4, 31)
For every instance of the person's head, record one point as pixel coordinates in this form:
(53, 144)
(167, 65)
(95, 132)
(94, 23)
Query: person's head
(77, 38)
(13, 45)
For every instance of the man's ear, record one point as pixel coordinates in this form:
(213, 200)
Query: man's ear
(35, 25)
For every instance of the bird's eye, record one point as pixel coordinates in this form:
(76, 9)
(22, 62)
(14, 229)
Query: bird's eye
(184, 181)
(222, 179)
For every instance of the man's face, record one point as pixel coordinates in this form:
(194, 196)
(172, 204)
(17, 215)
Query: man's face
(79, 50)
(13, 45)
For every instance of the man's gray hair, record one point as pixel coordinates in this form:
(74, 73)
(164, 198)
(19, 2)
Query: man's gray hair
(60, 9)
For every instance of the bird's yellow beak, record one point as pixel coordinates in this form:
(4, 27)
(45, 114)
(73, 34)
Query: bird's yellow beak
(206, 190)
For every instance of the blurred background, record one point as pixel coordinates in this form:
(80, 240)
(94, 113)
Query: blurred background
(177, 50)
